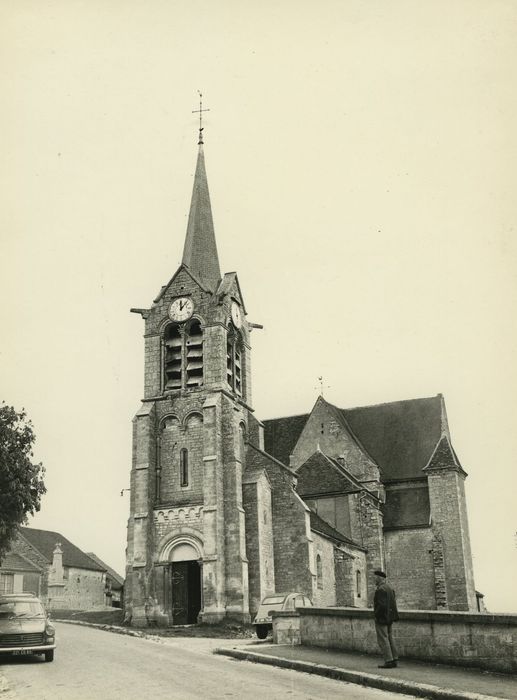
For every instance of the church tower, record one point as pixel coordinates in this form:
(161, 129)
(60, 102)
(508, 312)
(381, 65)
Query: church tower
(186, 551)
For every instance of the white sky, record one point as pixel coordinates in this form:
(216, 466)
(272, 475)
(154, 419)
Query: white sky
(361, 162)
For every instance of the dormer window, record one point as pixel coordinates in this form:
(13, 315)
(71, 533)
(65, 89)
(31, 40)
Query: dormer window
(183, 357)
(234, 361)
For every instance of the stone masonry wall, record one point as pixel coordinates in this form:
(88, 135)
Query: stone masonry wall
(409, 565)
(449, 521)
(478, 640)
(294, 565)
(323, 429)
(325, 589)
(82, 590)
(176, 436)
(259, 540)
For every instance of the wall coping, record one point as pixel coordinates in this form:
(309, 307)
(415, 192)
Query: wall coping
(448, 616)
(285, 613)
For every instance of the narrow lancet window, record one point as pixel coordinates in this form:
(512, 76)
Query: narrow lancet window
(184, 475)
(319, 571)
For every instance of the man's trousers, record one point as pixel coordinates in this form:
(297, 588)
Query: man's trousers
(385, 642)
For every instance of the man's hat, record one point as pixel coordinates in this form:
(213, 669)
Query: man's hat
(380, 573)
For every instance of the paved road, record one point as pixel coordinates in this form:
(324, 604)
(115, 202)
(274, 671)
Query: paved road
(94, 665)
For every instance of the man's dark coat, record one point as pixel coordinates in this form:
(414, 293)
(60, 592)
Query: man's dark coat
(385, 605)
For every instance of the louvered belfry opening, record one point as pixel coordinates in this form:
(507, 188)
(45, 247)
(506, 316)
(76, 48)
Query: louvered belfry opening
(194, 355)
(183, 359)
(173, 356)
(234, 361)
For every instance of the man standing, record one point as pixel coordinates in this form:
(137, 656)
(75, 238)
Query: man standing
(385, 613)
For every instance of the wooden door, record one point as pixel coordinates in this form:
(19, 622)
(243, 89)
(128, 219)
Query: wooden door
(179, 592)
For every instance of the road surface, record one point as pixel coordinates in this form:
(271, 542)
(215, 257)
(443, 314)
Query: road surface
(91, 664)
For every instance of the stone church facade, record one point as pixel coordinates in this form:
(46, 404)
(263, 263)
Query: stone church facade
(226, 509)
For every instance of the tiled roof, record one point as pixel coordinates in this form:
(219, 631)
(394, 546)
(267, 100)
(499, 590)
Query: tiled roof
(323, 528)
(111, 572)
(281, 435)
(400, 436)
(257, 458)
(322, 475)
(45, 541)
(14, 562)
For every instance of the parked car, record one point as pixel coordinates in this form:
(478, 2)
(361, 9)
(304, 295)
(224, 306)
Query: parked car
(277, 601)
(25, 626)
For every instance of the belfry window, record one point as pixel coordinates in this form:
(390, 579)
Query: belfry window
(173, 357)
(358, 582)
(194, 353)
(183, 360)
(184, 467)
(234, 355)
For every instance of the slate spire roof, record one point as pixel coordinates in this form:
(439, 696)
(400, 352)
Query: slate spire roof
(200, 250)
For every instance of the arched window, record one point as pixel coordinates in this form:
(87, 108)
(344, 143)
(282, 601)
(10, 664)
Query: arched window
(194, 354)
(183, 359)
(234, 355)
(319, 571)
(184, 475)
(173, 356)
(358, 583)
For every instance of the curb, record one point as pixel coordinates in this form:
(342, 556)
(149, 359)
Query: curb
(421, 690)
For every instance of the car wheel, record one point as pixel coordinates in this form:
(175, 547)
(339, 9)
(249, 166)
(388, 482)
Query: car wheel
(262, 631)
(49, 655)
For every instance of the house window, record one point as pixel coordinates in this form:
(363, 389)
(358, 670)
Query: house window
(358, 583)
(234, 360)
(183, 359)
(6, 583)
(184, 467)
(319, 571)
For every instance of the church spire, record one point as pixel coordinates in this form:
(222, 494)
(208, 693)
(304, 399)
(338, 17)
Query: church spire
(200, 251)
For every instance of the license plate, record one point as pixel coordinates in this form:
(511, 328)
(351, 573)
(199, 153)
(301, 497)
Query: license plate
(22, 652)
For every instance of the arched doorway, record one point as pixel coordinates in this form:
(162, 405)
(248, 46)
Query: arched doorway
(183, 572)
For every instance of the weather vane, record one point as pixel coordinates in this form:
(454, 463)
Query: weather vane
(200, 110)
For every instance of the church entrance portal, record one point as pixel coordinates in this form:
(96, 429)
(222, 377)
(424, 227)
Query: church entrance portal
(185, 578)
(182, 583)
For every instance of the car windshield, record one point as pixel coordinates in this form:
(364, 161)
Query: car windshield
(21, 608)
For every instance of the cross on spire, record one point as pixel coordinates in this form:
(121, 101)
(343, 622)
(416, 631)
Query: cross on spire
(322, 386)
(200, 110)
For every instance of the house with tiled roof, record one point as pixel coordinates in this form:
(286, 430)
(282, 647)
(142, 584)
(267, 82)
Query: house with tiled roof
(226, 509)
(114, 589)
(48, 564)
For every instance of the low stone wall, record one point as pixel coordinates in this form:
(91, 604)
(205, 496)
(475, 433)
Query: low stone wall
(479, 640)
(286, 627)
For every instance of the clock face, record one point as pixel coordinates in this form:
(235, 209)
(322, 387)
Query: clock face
(181, 309)
(236, 315)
